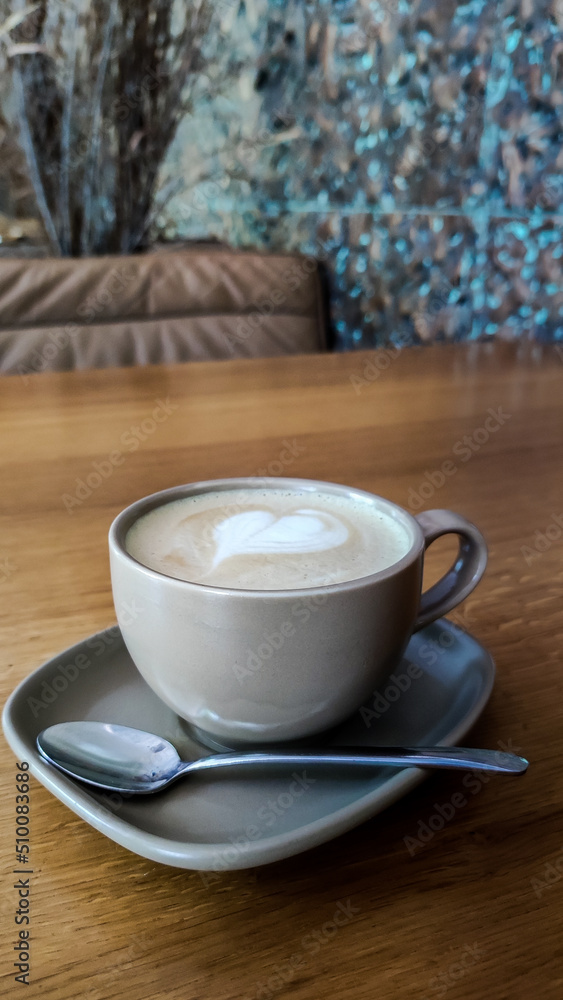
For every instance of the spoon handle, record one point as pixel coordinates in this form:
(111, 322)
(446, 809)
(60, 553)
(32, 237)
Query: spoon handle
(439, 757)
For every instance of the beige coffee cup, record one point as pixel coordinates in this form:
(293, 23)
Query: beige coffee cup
(260, 666)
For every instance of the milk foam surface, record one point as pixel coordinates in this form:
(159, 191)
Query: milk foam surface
(267, 539)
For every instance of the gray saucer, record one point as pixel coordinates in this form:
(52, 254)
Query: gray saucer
(226, 822)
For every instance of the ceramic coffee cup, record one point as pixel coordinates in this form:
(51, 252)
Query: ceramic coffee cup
(247, 666)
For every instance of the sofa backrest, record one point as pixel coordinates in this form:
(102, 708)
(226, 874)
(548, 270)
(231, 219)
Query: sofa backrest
(58, 314)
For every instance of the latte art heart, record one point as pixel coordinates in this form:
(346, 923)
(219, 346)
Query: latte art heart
(261, 532)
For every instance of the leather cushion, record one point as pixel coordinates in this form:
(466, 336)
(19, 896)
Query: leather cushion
(59, 314)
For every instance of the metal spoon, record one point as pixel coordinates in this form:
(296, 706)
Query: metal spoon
(132, 761)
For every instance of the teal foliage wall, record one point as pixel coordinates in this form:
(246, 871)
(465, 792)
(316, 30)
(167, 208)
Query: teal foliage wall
(413, 145)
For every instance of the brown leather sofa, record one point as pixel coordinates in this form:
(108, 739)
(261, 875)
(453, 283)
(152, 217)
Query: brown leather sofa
(181, 305)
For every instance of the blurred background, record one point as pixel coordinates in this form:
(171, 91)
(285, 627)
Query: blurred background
(412, 146)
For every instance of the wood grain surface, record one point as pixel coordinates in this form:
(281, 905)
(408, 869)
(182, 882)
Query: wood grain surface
(473, 913)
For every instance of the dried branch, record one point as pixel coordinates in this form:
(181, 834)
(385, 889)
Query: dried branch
(34, 173)
(17, 18)
(96, 117)
(64, 187)
(95, 135)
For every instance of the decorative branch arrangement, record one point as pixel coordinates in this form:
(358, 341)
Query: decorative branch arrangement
(97, 93)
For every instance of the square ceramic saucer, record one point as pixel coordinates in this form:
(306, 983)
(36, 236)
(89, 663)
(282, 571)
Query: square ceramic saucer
(230, 821)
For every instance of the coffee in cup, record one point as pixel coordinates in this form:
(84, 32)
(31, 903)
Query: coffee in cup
(269, 610)
(268, 539)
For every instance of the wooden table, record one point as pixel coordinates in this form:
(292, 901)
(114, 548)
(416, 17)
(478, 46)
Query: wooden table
(475, 913)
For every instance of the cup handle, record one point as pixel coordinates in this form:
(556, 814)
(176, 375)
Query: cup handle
(466, 571)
